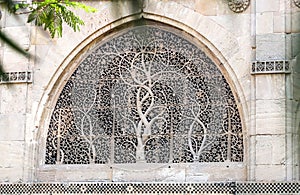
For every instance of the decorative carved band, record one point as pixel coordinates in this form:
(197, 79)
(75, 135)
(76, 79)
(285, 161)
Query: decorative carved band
(238, 6)
(16, 77)
(275, 66)
(151, 188)
(297, 3)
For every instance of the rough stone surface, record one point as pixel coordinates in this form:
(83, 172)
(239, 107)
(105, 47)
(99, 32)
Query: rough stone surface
(270, 150)
(270, 173)
(11, 161)
(268, 6)
(270, 47)
(264, 23)
(12, 127)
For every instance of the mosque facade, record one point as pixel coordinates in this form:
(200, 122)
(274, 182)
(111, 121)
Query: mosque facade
(156, 97)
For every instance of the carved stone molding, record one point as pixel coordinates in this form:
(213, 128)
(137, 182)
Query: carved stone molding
(269, 67)
(297, 3)
(151, 188)
(16, 77)
(238, 6)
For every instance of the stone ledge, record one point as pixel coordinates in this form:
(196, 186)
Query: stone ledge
(150, 188)
(270, 67)
(16, 77)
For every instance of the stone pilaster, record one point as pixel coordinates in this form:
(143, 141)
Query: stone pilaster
(13, 104)
(273, 135)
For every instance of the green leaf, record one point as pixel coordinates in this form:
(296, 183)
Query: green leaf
(52, 13)
(79, 5)
(32, 16)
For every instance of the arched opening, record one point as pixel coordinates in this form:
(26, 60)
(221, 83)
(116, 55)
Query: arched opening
(147, 96)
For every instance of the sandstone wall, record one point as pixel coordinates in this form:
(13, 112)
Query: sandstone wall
(267, 32)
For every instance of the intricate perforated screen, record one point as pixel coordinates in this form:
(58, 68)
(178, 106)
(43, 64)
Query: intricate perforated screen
(146, 95)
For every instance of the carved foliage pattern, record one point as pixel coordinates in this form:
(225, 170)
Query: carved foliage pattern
(146, 95)
(238, 6)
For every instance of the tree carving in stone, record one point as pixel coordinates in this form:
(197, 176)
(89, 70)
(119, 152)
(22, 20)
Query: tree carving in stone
(145, 96)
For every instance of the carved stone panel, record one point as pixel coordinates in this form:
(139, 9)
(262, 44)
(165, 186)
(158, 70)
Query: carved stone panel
(238, 6)
(147, 95)
(16, 77)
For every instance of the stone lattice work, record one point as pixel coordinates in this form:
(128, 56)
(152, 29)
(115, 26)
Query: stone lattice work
(152, 188)
(146, 95)
(16, 77)
(275, 66)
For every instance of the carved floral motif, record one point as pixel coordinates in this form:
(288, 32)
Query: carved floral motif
(238, 6)
(16, 77)
(272, 66)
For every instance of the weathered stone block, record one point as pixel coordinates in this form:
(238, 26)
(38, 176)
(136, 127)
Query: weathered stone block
(19, 34)
(13, 99)
(264, 23)
(11, 153)
(12, 60)
(296, 47)
(239, 25)
(296, 85)
(207, 7)
(270, 172)
(275, 108)
(226, 171)
(12, 127)
(11, 174)
(270, 47)
(296, 22)
(69, 173)
(83, 174)
(40, 36)
(267, 6)
(271, 86)
(270, 150)
(275, 125)
(12, 20)
(279, 24)
(159, 174)
(188, 3)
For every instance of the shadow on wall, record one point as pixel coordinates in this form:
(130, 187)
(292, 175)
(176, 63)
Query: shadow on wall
(121, 7)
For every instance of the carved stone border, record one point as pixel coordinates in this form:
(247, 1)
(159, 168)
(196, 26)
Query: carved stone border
(238, 6)
(16, 77)
(274, 66)
(151, 188)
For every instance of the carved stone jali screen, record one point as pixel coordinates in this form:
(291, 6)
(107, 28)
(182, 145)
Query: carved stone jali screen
(145, 95)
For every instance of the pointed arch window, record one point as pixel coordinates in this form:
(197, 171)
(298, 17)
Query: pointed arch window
(146, 95)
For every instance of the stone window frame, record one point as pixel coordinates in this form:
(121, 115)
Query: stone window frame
(51, 173)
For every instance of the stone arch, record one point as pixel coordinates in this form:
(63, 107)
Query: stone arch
(76, 60)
